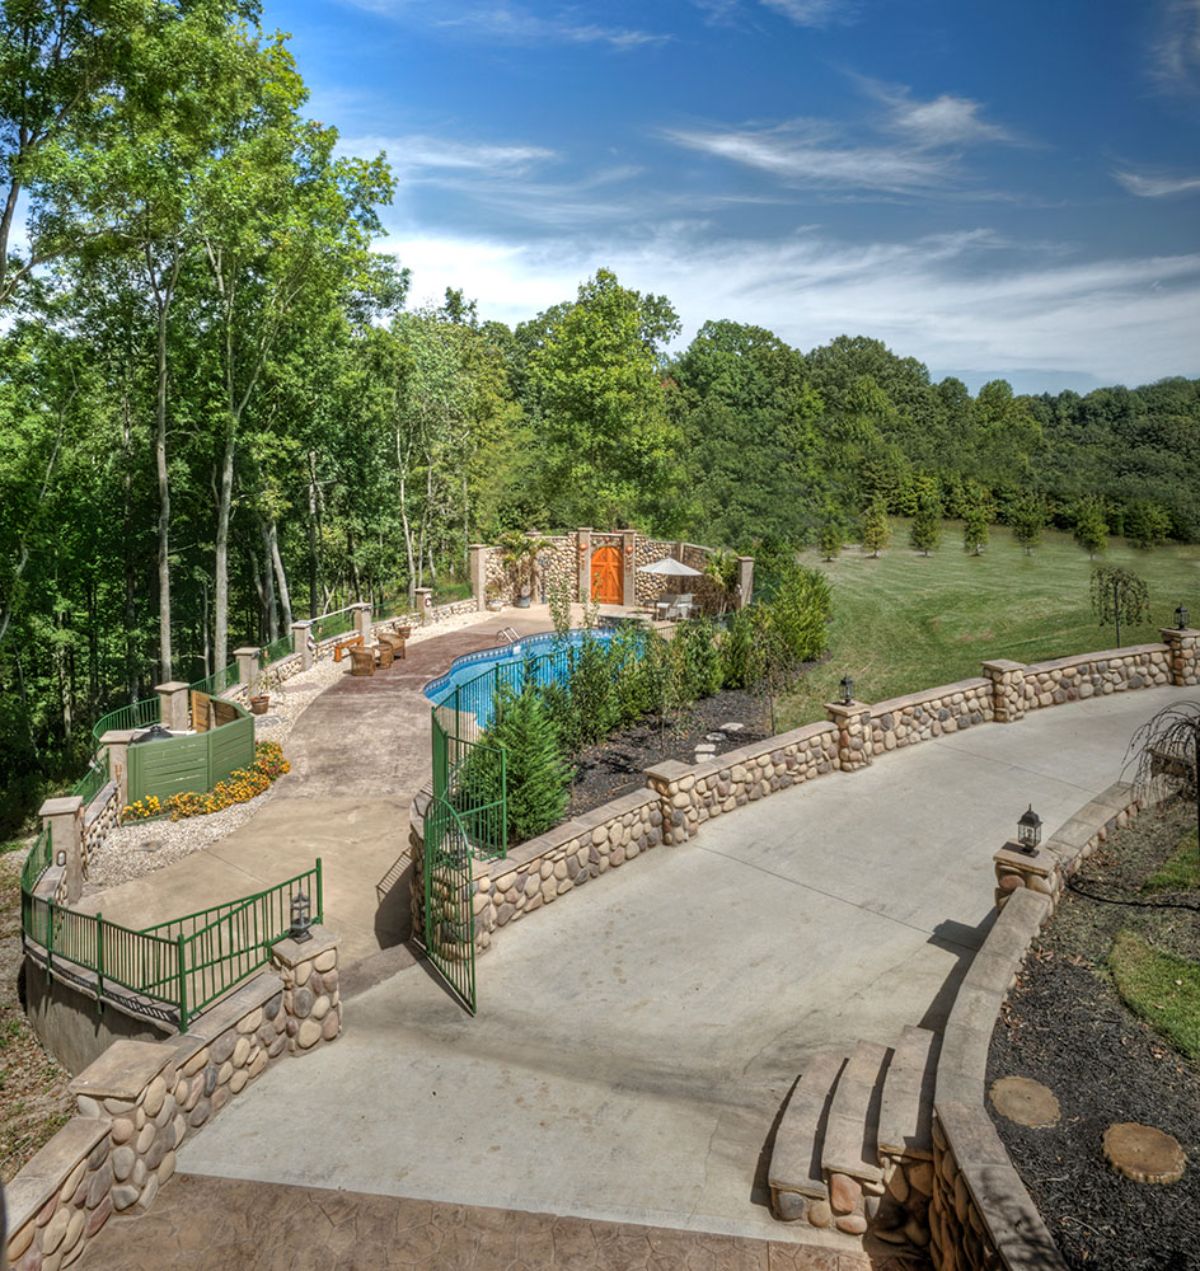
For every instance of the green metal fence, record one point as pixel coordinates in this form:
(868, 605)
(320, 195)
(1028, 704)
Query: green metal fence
(136, 715)
(176, 968)
(332, 624)
(94, 780)
(276, 651)
(449, 918)
(38, 860)
(218, 682)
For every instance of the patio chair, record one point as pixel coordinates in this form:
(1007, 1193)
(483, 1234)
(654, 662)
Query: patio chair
(682, 608)
(664, 604)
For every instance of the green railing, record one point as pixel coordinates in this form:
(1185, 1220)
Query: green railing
(136, 715)
(448, 926)
(275, 651)
(38, 860)
(183, 965)
(218, 682)
(332, 624)
(94, 780)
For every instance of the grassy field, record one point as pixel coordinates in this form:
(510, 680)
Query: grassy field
(907, 622)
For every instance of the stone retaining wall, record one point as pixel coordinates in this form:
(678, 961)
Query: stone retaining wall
(902, 721)
(1093, 674)
(140, 1100)
(100, 818)
(981, 1216)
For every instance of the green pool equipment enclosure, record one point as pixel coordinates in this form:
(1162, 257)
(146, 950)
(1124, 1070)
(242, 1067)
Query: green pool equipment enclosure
(466, 822)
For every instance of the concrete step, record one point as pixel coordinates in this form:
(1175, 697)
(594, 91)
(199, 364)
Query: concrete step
(906, 1111)
(796, 1157)
(850, 1132)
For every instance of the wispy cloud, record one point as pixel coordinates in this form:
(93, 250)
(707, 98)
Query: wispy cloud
(1123, 318)
(1156, 187)
(417, 152)
(1175, 53)
(513, 23)
(946, 120)
(817, 13)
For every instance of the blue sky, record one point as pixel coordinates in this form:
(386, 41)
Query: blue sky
(997, 187)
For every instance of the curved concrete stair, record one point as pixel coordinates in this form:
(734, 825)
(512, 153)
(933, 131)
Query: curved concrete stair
(795, 1175)
(850, 1146)
(906, 1113)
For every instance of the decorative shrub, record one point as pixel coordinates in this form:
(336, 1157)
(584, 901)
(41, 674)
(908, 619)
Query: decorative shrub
(698, 659)
(737, 650)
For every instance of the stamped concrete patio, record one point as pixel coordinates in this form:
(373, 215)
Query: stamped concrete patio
(634, 1045)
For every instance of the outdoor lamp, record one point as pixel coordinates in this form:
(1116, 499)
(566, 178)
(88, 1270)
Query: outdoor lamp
(60, 858)
(301, 918)
(847, 690)
(1029, 831)
(1181, 617)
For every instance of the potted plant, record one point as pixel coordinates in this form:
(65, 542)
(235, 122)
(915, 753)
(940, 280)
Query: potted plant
(260, 698)
(519, 555)
(494, 601)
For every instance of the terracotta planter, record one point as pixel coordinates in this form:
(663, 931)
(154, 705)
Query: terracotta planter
(260, 703)
(404, 632)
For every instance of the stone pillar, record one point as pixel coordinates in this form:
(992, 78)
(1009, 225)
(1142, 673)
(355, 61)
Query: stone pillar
(312, 1003)
(855, 740)
(64, 819)
(1183, 654)
(424, 602)
(1016, 869)
(584, 539)
(478, 554)
(247, 663)
(173, 705)
(116, 742)
(675, 785)
(745, 582)
(629, 568)
(1008, 689)
(301, 637)
(362, 621)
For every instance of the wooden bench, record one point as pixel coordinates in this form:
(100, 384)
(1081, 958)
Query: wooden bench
(342, 646)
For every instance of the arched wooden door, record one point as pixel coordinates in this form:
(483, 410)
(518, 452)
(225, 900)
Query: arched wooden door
(608, 583)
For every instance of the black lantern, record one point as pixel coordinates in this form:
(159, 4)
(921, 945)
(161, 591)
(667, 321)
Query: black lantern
(1181, 617)
(301, 918)
(1029, 831)
(847, 690)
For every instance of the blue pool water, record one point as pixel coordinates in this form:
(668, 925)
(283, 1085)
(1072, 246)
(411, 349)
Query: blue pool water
(467, 672)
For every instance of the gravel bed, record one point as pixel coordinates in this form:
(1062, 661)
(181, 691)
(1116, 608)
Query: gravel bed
(139, 848)
(1066, 1026)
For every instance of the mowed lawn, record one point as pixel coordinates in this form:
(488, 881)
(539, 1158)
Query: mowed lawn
(905, 622)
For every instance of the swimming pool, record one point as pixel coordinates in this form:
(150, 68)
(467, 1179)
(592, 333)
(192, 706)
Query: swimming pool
(546, 658)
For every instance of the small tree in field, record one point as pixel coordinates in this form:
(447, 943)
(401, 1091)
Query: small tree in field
(877, 533)
(777, 665)
(831, 538)
(975, 528)
(926, 530)
(1028, 518)
(1119, 595)
(1091, 529)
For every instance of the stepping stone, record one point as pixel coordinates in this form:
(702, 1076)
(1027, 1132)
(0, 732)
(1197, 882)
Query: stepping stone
(733, 728)
(1025, 1102)
(706, 748)
(1144, 1154)
(716, 737)
(850, 1137)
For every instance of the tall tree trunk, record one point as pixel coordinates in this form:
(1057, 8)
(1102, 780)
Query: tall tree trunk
(268, 577)
(131, 673)
(285, 598)
(163, 296)
(221, 557)
(355, 587)
(314, 537)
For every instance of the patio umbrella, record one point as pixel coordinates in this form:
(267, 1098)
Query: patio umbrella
(669, 565)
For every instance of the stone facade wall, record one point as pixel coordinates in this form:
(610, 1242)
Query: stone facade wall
(100, 818)
(140, 1100)
(903, 721)
(280, 672)
(981, 1216)
(649, 587)
(1094, 674)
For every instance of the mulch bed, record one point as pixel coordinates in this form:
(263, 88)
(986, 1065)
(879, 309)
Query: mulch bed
(616, 767)
(1066, 1026)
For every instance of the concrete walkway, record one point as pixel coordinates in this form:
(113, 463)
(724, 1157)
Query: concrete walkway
(634, 1045)
(359, 753)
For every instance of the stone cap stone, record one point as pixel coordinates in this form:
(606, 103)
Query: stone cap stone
(290, 952)
(1101, 655)
(1002, 665)
(172, 686)
(669, 770)
(849, 708)
(246, 651)
(303, 622)
(1180, 633)
(42, 1175)
(68, 805)
(124, 1070)
(119, 736)
(246, 998)
(1042, 862)
(893, 704)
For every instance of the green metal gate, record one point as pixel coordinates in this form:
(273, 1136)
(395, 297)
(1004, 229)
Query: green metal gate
(449, 917)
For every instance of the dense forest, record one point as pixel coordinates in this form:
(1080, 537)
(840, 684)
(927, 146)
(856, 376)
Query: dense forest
(218, 411)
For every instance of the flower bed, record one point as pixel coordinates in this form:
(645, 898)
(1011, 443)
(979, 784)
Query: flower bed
(242, 785)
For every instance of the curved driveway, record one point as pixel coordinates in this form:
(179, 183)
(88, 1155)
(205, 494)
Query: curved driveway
(633, 1046)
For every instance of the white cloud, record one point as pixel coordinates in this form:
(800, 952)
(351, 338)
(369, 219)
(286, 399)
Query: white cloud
(419, 152)
(1175, 54)
(956, 300)
(1157, 187)
(809, 153)
(512, 23)
(818, 13)
(944, 121)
